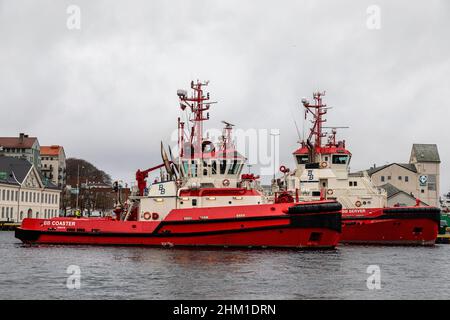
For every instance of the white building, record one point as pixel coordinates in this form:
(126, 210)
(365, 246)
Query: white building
(53, 160)
(23, 193)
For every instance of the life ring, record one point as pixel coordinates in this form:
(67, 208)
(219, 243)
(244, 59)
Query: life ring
(147, 216)
(358, 203)
(330, 192)
(155, 216)
(324, 164)
(226, 182)
(283, 169)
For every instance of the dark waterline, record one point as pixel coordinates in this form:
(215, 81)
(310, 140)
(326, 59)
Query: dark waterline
(39, 272)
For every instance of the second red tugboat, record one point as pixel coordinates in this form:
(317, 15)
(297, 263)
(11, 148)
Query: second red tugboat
(322, 172)
(199, 199)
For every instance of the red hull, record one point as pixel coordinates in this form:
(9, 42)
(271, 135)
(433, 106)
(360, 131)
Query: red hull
(275, 237)
(390, 226)
(272, 227)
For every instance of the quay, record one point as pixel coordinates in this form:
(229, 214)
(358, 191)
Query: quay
(8, 226)
(443, 238)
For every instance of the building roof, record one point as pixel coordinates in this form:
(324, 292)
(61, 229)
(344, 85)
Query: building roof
(50, 150)
(393, 191)
(17, 142)
(425, 152)
(48, 183)
(13, 170)
(407, 166)
(390, 189)
(356, 174)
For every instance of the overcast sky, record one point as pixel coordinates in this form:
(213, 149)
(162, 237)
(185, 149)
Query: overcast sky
(107, 91)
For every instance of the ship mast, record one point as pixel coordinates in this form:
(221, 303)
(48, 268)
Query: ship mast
(198, 107)
(318, 110)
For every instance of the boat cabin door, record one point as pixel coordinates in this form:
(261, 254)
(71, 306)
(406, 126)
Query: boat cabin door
(323, 183)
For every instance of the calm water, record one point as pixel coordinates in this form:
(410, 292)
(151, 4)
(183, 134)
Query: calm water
(39, 272)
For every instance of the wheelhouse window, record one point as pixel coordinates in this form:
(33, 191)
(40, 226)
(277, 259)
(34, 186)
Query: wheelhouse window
(205, 168)
(194, 168)
(302, 159)
(340, 159)
(234, 167)
(186, 167)
(240, 167)
(223, 166)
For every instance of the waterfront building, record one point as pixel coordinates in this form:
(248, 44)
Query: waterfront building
(22, 147)
(418, 179)
(53, 159)
(23, 193)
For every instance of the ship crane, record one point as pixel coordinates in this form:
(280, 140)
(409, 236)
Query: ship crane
(141, 177)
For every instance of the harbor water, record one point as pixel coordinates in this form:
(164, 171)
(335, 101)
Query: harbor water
(42, 272)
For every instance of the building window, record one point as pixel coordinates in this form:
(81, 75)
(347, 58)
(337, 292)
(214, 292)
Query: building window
(11, 212)
(21, 196)
(406, 178)
(400, 178)
(7, 195)
(7, 213)
(382, 178)
(389, 177)
(3, 213)
(422, 191)
(3, 194)
(26, 196)
(432, 182)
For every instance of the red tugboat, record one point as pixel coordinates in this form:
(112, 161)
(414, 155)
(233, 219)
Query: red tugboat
(323, 173)
(200, 199)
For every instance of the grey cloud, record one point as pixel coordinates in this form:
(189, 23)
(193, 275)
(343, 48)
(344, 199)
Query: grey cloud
(107, 91)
